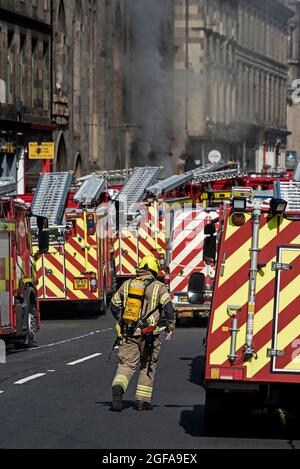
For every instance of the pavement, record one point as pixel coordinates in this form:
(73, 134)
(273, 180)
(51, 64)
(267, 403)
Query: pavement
(58, 395)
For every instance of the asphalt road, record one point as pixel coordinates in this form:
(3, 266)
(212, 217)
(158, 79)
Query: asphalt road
(58, 395)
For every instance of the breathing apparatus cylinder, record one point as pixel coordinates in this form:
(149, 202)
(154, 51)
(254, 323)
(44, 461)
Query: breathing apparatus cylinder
(134, 302)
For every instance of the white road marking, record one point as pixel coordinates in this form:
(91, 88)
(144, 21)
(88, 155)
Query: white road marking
(64, 341)
(29, 378)
(50, 371)
(84, 359)
(1, 392)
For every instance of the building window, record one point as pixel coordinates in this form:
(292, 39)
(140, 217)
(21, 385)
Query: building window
(46, 5)
(33, 72)
(45, 76)
(9, 66)
(22, 68)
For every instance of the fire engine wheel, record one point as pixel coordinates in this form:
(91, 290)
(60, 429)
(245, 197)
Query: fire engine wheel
(30, 319)
(215, 411)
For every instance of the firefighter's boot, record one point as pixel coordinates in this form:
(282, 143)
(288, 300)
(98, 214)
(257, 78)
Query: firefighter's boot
(117, 396)
(143, 405)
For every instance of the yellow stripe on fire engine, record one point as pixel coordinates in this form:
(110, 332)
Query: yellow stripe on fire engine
(295, 362)
(125, 264)
(7, 226)
(261, 319)
(69, 283)
(125, 247)
(6, 267)
(78, 293)
(284, 338)
(240, 296)
(76, 254)
(93, 253)
(58, 275)
(148, 236)
(242, 254)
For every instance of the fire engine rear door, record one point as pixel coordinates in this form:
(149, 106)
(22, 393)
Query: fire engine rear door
(54, 275)
(4, 279)
(285, 350)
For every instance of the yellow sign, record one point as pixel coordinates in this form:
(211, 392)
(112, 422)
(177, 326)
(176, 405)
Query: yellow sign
(41, 150)
(81, 283)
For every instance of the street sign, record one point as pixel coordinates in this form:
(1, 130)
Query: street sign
(214, 156)
(41, 150)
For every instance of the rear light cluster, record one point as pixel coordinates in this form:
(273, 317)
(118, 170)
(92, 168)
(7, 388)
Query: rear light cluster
(90, 222)
(93, 282)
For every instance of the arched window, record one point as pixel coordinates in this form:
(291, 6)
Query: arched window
(61, 154)
(78, 166)
(60, 57)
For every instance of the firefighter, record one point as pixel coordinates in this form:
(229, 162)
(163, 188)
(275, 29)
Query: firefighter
(138, 306)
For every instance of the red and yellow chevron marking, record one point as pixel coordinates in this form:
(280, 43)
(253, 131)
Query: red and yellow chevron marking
(75, 259)
(232, 286)
(132, 245)
(187, 248)
(39, 273)
(54, 273)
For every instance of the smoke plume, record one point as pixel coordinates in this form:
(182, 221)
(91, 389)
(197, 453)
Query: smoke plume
(149, 83)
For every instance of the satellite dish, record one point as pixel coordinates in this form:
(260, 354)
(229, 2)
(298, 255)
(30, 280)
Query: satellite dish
(214, 156)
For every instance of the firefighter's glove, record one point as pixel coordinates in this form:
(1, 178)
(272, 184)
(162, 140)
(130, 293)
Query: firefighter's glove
(168, 334)
(118, 330)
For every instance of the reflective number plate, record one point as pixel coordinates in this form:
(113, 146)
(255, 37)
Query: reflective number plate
(81, 283)
(183, 299)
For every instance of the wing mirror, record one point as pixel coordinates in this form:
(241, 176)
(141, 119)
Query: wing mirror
(43, 235)
(196, 288)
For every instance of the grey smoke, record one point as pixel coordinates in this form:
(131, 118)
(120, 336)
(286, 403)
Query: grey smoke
(149, 83)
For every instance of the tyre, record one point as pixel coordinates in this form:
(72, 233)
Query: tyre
(30, 320)
(105, 300)
(216, 411)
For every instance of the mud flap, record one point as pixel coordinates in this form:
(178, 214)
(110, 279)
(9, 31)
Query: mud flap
(2, 352)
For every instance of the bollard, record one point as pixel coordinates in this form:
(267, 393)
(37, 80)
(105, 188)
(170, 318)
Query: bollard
(2, 352)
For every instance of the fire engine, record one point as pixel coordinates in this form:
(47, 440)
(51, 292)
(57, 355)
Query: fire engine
(253, 337)
(19, 309)
(170, 219)
(76, 267)
(140, 225)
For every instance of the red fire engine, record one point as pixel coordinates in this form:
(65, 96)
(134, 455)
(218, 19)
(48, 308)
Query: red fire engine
(76, 267)
(169, 219)
(252, 348)
(19, 310)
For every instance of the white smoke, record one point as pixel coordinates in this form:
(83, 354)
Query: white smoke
(149, 84)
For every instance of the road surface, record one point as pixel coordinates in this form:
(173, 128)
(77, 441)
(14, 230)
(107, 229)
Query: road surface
(58, 395)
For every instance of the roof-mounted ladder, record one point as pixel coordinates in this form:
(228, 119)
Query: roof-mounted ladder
(7, 185)
(90, 190)
(197, 176)
(135, 188)
(218, 175)
(51, 195)
(290, 192)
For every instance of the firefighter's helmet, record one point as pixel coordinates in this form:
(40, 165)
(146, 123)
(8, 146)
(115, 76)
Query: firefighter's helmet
(150, 263)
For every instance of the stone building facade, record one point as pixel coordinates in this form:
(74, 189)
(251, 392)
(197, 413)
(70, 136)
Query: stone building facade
(293, 110)
(25, 86)
(89, 39)
(232, 61)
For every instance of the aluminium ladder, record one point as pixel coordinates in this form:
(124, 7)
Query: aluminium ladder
(135, 188)
(51, 195)
(7, 185)
(90, 190)
(197, 176)
(290, 192)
